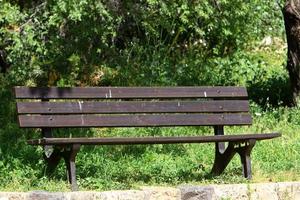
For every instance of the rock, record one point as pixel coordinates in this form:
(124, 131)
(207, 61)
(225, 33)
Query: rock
(296, 191)
(235, 191)
(285, 190)
(197, 193)
(12, 195)
(82, 196)
(261, 191)
(121, 195)
(161, 193)
(42, 195)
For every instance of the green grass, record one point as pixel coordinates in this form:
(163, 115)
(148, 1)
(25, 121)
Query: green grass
(124, 167)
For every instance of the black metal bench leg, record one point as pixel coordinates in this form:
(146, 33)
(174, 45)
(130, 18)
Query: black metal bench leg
(52, 159)
(245, 153)
(52, 154)
(222, 158)
(70, 164)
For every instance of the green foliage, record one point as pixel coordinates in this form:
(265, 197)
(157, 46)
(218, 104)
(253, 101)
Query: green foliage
(89, 42)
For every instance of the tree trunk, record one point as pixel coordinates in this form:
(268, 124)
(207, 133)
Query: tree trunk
(3, 63)
(291, 13)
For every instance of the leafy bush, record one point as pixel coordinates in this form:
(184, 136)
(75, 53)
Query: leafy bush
(80, 42)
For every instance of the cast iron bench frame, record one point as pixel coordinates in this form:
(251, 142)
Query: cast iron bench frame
(84, 107)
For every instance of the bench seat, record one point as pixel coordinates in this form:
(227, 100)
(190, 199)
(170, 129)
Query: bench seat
(152, 140)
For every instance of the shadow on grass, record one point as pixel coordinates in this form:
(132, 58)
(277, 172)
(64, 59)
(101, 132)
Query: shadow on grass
(273, 92)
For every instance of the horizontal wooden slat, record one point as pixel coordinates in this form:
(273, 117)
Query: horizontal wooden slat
(132, 107)
(133, 120)
(129, 92)
(153, 140)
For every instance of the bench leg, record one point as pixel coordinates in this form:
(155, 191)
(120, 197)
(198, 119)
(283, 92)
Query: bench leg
(244, 153)
(69, 155)
(219, 130)
(52, 160)
(69, 158)
(223, 159)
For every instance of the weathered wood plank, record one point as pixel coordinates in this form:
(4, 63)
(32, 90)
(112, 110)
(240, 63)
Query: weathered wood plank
(128, 92)
(153, 140)
(86, 107)
(133, 120)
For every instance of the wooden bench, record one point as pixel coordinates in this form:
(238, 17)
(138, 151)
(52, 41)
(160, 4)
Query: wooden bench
(51, 108)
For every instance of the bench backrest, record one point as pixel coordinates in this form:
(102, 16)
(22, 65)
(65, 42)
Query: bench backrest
(55, 107)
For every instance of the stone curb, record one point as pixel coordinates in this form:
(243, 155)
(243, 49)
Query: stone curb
(259, 191)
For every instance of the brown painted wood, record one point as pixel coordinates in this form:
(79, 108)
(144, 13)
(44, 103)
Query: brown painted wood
(152, 140)
(40, 121)
(132, 107)
(128, 92)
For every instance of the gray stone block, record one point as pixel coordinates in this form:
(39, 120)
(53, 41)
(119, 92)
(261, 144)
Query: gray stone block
(121, 195)
(161, 193)
(42, 195)
(12, 195)
(234, 191)
(82, 195)
(261, 191)
(197, 192)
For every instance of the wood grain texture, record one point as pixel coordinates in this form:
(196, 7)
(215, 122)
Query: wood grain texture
(92, 107)
(52, 121)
